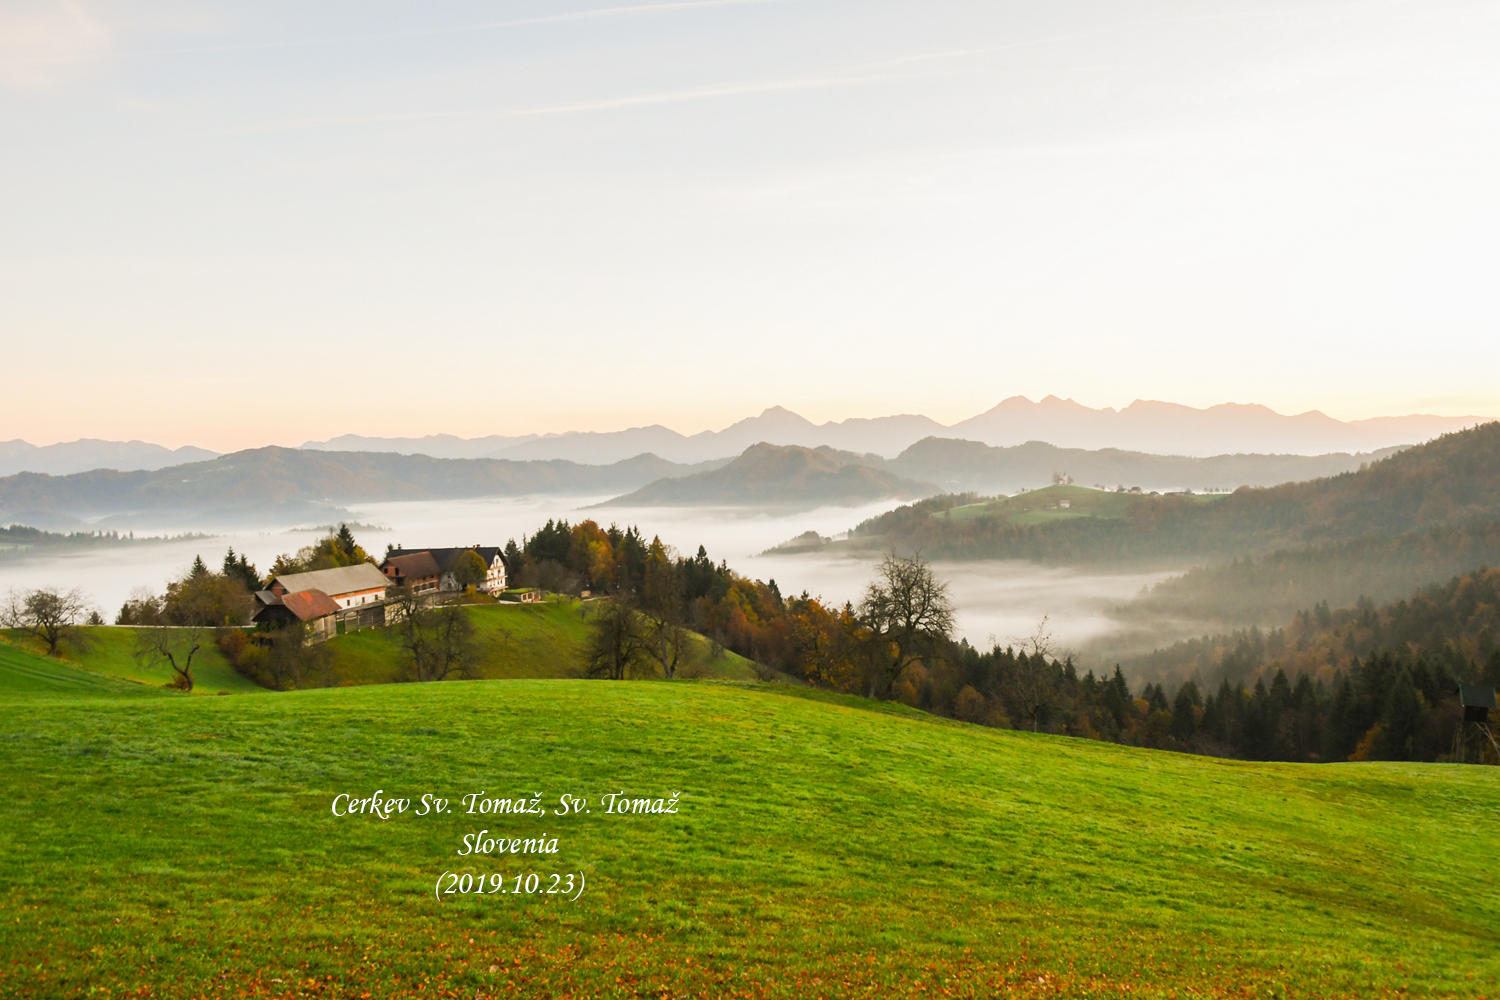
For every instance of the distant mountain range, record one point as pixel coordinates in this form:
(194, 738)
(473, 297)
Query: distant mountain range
(789, 476)
(1143, 426)
(281, 485)
(290, 485)
(88, 453)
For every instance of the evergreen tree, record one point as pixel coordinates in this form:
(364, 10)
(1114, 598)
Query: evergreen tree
(1401, 721)
(346, 543)
(1185, 711)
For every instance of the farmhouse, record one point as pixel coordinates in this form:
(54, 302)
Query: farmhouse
(416, 568)
(308, 607)
(351, 595)
(349, 586)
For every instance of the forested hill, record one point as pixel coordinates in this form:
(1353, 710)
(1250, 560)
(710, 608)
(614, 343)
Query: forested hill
(971, 466)
(1452, 628)
(276, 479)
(1452, 480)
(769, 475)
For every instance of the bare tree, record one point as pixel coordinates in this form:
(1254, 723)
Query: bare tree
(440, 641)
(908, 614)
(174, 646)
(666, 642)
(48, 614)
(618, 646)
(1034, 673)
(289, 655)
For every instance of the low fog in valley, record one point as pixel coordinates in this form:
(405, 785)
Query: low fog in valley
(1000, 598)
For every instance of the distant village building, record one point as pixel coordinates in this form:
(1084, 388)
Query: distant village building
(427, 570)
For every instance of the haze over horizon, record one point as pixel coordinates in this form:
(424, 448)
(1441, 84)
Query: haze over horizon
(1229, 427)
(228, 225)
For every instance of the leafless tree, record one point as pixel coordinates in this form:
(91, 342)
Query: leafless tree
(440, 641)
(908, 614)
(667, 642)
(618, 644)
(1034, 672)
(289, 655)
(174, 646)
(48, 614)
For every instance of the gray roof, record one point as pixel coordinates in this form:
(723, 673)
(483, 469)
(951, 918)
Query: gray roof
(1477, 696)
(343, 580)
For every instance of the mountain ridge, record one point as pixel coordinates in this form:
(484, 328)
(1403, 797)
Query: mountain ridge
(770, 475)
(278, 483)
(67, 457)
(1147, 426)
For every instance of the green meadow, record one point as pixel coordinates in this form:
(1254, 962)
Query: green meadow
(166, 845)
(544, 639)
(109, 652)
(1044, 506)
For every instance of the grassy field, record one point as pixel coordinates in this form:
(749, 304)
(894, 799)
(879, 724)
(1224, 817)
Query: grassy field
(174, 846)
(109, 651)
(1045, 505)
(543, 639)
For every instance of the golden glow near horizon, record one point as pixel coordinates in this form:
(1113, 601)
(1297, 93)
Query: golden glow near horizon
(238, 224)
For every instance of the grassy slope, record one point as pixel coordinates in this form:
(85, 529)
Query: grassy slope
(109, 650)
(516, 640)
(185, 845)
(1041, 506)
(25, 675)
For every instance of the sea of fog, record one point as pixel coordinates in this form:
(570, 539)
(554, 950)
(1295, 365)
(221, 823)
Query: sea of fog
(996, 600)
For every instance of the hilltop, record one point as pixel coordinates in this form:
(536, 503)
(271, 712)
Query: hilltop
(1454, 480)
(769, 475)
(820, 845)
(960, 466)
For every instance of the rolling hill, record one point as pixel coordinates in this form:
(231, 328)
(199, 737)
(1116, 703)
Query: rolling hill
(1454, 480)
(271, 483)
(769, 475)
(970, 466)
(1456, 624)
(544, 639)
(820, 846)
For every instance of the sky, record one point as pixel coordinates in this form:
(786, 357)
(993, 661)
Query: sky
(233, 224)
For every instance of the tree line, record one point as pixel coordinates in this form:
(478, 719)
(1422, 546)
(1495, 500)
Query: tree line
(897, 643)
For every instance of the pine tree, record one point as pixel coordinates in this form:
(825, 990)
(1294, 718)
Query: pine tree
(346, 543)
(1401, 721)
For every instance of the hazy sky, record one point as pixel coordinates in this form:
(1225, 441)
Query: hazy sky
(233, 224)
